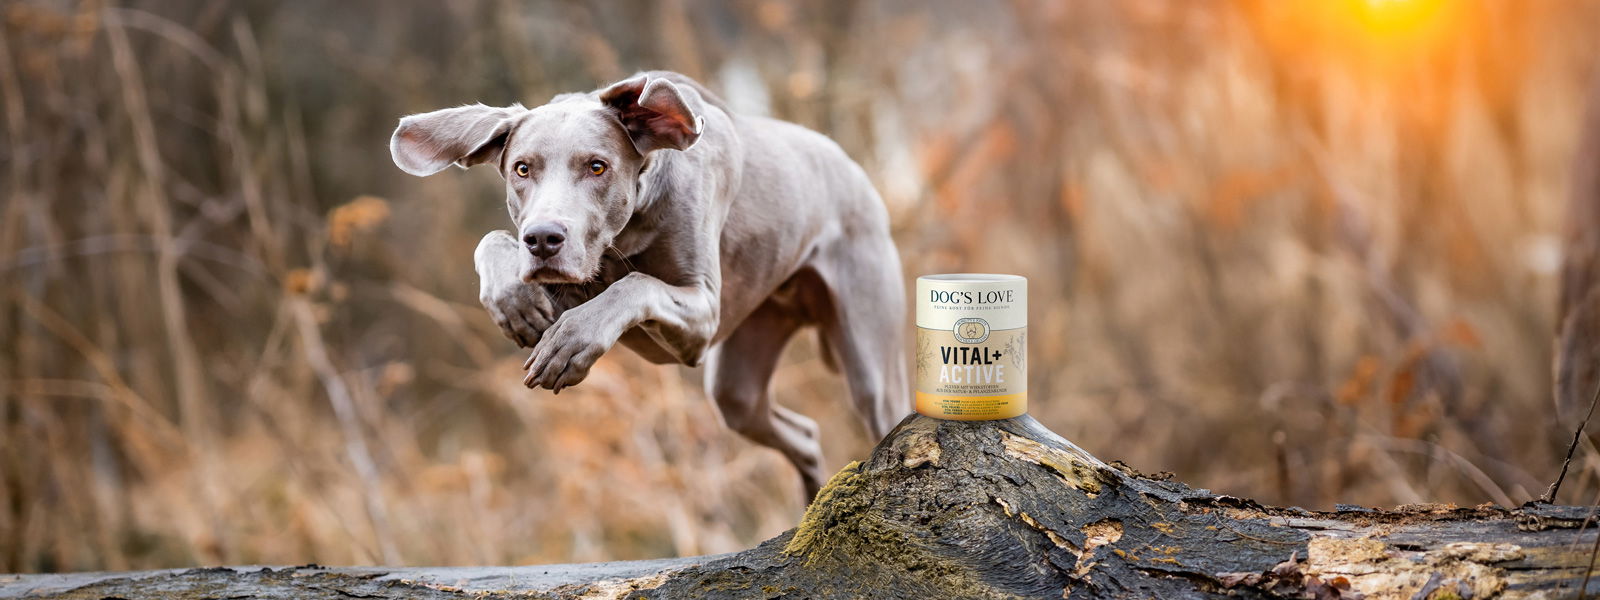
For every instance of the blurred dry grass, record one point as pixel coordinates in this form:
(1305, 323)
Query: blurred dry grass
(1301, 251)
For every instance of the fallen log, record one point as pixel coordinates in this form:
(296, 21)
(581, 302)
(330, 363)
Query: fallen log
(1001, 509)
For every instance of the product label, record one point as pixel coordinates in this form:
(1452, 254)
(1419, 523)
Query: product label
(972, 355)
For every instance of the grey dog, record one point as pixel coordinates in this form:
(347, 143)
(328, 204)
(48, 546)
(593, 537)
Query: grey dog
(650, 214)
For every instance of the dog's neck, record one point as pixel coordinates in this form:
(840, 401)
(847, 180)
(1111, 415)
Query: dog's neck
(652, 205)
(654, 171)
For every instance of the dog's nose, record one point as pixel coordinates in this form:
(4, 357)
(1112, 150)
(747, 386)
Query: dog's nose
(544, 240)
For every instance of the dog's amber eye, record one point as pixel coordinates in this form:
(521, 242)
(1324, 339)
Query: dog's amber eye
(521, 169)
(597, 167)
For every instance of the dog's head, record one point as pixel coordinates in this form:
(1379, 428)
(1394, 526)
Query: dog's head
(571, 167)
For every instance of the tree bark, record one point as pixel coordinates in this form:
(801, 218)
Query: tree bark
(1001, 509)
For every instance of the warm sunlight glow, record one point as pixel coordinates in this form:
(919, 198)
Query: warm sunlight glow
(1396, 30)
(1376, 38)
(1391, 18)
(1400, 54)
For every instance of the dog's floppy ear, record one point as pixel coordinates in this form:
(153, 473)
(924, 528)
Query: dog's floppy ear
(426, 143)
(654, 112)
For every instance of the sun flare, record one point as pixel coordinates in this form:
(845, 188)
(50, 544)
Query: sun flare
(1383, 38)
(1396, 17)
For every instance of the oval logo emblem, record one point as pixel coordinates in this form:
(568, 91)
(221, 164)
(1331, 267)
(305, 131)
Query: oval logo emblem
(971, 330)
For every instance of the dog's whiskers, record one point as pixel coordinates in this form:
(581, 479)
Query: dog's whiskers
(618, 251)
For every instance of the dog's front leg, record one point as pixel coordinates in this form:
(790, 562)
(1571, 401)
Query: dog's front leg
(683, 319)
(522, 310)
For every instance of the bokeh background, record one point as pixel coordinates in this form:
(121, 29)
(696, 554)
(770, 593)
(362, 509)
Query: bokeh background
(1305, 251)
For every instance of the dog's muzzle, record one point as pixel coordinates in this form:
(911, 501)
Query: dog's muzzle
(544, 240)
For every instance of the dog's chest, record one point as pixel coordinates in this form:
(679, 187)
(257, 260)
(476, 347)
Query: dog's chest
(568, 295)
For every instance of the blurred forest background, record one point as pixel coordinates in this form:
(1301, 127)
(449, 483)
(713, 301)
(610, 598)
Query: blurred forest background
(1302, 251)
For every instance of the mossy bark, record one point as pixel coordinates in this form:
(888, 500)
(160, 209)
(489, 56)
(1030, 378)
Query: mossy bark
(1008, 509)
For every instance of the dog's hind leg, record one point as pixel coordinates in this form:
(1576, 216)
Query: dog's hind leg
(862, 315)
(738, 376)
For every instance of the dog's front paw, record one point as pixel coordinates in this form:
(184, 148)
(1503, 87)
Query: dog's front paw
(523, 311)
(567, 350)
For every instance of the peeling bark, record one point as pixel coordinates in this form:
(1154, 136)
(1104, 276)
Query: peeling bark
(1001, 509)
